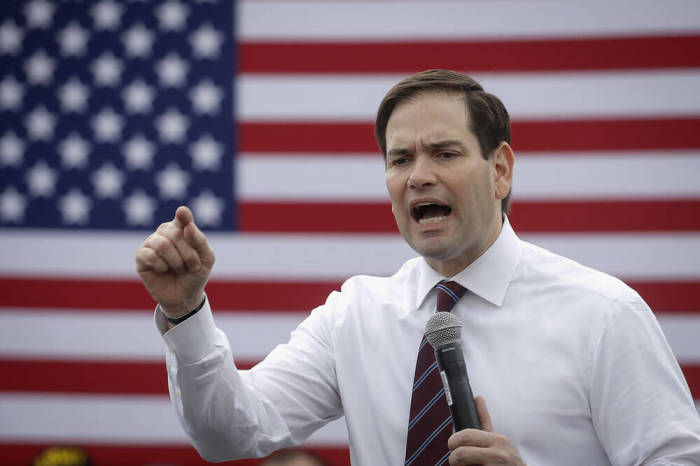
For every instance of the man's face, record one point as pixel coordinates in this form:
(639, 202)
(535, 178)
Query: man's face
(444, 195)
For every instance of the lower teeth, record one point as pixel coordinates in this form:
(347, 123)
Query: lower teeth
(431, 219)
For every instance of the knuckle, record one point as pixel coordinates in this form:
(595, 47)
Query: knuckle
(500, 457)
(458, 456)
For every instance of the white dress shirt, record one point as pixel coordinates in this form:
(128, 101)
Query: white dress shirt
(572, 363)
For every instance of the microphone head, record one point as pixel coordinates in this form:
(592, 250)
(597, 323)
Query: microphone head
(443, 328)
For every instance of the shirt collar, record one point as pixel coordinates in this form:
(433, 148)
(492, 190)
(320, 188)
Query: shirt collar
(488, 276)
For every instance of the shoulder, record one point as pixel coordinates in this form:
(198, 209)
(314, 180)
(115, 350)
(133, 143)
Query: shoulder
(378, 288)
(551, 272)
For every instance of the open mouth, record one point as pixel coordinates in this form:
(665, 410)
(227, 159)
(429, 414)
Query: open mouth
(430, 212)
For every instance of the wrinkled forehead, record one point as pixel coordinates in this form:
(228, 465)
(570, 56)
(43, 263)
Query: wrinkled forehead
(426, 117)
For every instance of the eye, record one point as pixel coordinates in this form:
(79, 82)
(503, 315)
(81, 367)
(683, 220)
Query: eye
(398, 161)
(446, 155)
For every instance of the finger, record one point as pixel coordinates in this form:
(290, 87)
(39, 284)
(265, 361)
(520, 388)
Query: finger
(484, 416)
(476, 455)
(176, 235)
(148, 261)
(469, 437)
(197, 240)
(167, 251)
(183, 216)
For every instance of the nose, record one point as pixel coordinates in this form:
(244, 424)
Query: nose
(422, 173)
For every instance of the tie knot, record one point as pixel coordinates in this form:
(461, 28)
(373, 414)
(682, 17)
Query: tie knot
(448, 293)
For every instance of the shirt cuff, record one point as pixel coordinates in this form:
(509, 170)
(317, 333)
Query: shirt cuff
(192, 339)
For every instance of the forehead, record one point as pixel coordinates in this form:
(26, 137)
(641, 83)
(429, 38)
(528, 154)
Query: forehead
(430, 115)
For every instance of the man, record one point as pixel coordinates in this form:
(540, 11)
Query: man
(572, 362)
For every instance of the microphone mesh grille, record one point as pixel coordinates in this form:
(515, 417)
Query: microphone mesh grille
(443, 328)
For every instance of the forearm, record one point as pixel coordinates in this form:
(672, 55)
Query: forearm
(233, 414)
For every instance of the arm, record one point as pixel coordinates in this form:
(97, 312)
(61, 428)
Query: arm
(229, 413)
(641, 407)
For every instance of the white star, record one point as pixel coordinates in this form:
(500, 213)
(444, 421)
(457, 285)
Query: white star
(207, 208)
(73, 40)
(139, 153)
(172, 70)
(107, 125)
(75, 207)
(107, 15)
(11, 150)
(206, 42)
(139, 209)
(41, 180)
(11, 93)
(172, 15)
(40, 68)
(39, 13)
(108, 181)
(12, 205)
(74, 96)
(40, 124)
(10, 38)
(172, 182)
(206, 153)
(107, 69)
(138, 41)
(138, 97)
(206, 97)
(74, 151)
(172, 126)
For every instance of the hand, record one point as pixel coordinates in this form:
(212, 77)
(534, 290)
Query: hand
(484, 447)
(174, 264)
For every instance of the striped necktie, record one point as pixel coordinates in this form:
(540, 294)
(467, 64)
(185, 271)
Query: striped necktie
(430, 422)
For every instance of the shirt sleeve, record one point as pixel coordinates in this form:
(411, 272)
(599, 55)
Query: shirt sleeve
(641, 406)
(230, 413)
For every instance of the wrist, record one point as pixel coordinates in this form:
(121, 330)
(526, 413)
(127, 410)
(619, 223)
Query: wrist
(185, 312)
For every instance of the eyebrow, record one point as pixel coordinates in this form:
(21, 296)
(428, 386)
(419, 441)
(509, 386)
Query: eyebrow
(398, 151)
(433, 146)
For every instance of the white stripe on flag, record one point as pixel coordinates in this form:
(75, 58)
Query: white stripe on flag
(364, 21)
(107, 419)
(572, 175)
(333, 257)
(526, 95)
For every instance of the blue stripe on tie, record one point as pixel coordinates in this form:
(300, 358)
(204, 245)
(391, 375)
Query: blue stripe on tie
(426, 408)
(427, 441)
(451, 293)
(443, 459)
(420, 379)
(422, 344)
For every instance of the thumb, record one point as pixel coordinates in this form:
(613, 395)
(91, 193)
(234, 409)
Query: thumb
(183, 216)
(484, 416)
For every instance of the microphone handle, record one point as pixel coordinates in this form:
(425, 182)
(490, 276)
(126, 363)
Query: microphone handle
(458, 393)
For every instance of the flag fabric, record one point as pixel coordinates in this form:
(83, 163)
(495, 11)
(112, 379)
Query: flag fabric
(259, 115)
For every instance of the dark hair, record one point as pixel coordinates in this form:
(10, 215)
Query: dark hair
(488, 116)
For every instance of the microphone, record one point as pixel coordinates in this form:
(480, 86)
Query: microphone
(444, 333)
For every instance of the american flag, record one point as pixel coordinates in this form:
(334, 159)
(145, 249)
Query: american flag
(259, 114)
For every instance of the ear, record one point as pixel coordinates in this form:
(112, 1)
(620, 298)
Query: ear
(502, 162)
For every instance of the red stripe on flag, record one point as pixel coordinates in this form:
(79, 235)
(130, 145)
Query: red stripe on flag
(310, 137)
(290, 296)
(526, 217)
(131, 378)
(94, 376)
(83, 294)
(605, 53)
(666, 215)
(12, 454)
